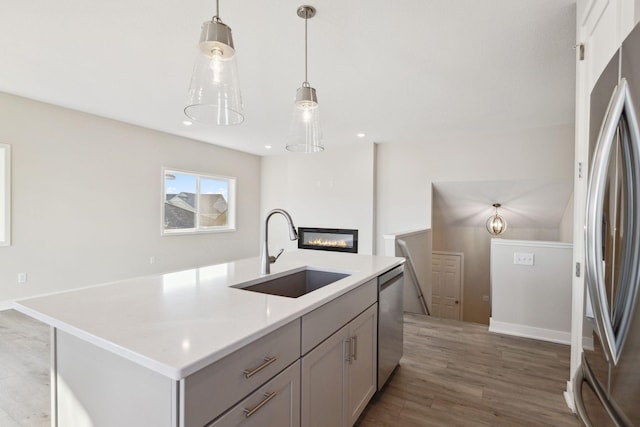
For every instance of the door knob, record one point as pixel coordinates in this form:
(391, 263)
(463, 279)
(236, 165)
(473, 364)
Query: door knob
(456, 301)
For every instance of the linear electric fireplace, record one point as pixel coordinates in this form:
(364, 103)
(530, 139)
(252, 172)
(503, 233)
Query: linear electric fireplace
(328, 239)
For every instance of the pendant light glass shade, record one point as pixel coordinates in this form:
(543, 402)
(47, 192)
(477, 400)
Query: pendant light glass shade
(496, 224)
(214, 94)
(305, 135)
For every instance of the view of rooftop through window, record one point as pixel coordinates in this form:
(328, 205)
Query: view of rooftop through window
(195, 202)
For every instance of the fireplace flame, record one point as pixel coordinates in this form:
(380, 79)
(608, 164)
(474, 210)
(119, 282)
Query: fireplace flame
(329, 243)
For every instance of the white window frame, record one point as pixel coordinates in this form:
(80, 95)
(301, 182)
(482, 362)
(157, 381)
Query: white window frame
(231, 204)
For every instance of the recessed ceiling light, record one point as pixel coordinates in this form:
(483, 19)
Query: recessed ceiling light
(361, 135)
(187, 122)
(268, 147)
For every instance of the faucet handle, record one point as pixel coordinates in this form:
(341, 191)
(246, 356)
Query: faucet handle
(273, 259)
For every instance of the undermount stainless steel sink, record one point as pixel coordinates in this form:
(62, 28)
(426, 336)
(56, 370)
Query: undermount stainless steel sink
(295, 284)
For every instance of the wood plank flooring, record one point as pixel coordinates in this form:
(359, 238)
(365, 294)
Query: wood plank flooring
(24, 371)
(452, 374)
(458, 374)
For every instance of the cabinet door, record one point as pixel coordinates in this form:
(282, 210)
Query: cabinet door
(604, 24)
(203, 399)
(322, 382)
(362, 369)
(275, 404)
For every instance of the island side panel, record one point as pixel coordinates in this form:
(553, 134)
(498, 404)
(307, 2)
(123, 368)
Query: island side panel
(53, 379)
(93, 387)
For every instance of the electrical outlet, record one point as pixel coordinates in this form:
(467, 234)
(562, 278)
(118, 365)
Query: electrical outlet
(152, 260)
(521, 258)
(22, 277)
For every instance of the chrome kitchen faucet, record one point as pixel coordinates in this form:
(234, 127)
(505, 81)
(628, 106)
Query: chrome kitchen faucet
(293, 235)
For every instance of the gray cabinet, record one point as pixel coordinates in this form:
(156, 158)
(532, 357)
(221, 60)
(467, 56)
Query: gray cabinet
(318, 370)
(95, 387)
(322, 322)
(323, 382)
(362, 369)
(339, 375)
(275, 404)
(212, 390)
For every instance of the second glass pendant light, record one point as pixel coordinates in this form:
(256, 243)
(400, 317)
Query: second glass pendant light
(304, 133)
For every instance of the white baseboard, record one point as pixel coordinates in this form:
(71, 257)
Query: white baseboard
(525, 331)
(568, 397)
(587, 343)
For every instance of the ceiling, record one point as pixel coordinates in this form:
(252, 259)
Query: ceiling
(396, 71)
(525, 204)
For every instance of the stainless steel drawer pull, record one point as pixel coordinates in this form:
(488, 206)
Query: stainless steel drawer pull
(248, 373)
(354, 340)
(267, 397)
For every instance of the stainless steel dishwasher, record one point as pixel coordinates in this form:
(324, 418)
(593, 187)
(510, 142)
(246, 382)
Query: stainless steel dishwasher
(390, 322)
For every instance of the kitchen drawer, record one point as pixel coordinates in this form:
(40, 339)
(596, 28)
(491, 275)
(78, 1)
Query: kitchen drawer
(322, 322)
(209, 392)
(276, 404)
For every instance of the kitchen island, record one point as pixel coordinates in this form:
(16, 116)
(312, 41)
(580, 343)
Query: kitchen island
(161, 350)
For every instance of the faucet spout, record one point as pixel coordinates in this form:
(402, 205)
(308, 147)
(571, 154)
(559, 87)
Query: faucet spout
(266, 260)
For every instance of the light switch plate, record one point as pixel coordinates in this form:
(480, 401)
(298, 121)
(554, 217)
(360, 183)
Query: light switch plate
(522, 258)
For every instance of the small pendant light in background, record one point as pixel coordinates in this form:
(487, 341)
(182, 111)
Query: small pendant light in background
(496, 224)
(214, 94)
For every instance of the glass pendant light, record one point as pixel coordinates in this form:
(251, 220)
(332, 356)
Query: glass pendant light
(305, 135)
(496, 224)
(214, 94)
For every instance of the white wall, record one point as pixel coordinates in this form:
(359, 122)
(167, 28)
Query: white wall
(332, 189)
(402, 181)
(566, 224)
(532, 301)
(419, 246)
(87, 196)
(475, 243)
(405, 171)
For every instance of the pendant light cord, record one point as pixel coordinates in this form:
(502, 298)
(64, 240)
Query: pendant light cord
(216, 18)
(306, 16)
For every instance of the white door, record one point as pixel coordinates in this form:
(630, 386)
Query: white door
(446, 294)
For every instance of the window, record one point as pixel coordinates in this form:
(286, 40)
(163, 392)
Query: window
(195, 203)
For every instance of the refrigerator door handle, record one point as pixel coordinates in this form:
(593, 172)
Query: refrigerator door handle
(620, 117)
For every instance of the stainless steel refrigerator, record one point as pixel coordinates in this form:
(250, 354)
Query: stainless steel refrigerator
(607, 385)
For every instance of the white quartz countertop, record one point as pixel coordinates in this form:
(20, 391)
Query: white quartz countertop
(177, 323)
